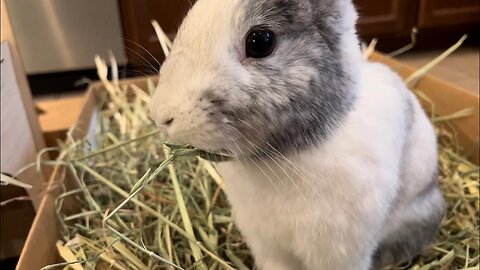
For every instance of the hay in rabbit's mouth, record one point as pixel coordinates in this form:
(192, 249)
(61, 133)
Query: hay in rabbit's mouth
(145, 204)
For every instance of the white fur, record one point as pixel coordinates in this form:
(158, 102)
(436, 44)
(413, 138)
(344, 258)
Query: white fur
(187, 73)
(333, 219)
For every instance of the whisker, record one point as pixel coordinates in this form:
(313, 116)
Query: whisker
(276, 152)
(143, 48)
(238, 161)
(281, 158)
(279, 166)
(254, 153)
(261, 170)
(135, 73)
(143, 59)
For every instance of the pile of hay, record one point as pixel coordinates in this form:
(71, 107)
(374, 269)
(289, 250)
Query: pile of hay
(177, 217)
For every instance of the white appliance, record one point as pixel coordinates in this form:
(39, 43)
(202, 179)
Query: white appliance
(65, 35)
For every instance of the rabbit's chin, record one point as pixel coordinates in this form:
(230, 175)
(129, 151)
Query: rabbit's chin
(231, 145)
(209, 143)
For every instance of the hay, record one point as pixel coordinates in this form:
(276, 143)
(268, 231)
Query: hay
(143, 204)
(6, 180)
(168, 219)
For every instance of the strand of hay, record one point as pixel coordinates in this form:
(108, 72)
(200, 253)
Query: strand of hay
(6, 180)
(413, 78)
(411, 45)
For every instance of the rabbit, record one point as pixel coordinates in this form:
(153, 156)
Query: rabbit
(335, 162)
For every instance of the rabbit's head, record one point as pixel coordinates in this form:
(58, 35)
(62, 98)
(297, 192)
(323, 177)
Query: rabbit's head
(251, 76)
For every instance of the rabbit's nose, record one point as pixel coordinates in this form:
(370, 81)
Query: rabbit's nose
(168, 122)
(162, 115)
(163, 119)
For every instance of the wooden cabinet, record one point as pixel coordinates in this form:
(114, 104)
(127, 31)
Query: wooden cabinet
(445, 13)
(377, 18)
(386, 17)
(140, 38)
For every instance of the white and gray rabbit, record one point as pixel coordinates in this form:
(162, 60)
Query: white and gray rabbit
(336, 163)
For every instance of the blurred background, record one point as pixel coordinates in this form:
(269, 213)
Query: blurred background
(53, 42)
(58, 39)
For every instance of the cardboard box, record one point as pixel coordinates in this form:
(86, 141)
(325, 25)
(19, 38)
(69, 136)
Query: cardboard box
(21, 138)
(57, 117)
(40, 248)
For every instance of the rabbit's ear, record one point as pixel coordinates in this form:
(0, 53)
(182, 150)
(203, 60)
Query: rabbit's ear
(334, 18)
(334, 11)
(278, 13)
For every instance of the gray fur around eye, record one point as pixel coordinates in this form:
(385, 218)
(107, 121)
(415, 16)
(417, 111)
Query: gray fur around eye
(294, 111)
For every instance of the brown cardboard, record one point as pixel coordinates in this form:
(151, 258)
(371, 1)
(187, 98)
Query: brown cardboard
(8, 36)
(20, 142)
(23, 137)
(57, 116)
(15, 221)
(40, 246)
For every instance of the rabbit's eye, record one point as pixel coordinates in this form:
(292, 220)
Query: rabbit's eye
(259, 43)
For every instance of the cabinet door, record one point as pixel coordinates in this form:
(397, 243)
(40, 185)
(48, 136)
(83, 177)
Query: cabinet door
(434, 13)
(140, 38)
(386, 17)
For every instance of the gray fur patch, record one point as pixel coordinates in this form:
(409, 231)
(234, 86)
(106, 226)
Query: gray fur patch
(409, 114)
(409, 122)
(327, 16)
(306, 70)
(432, 185)
(414, 237)
(407, 243)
